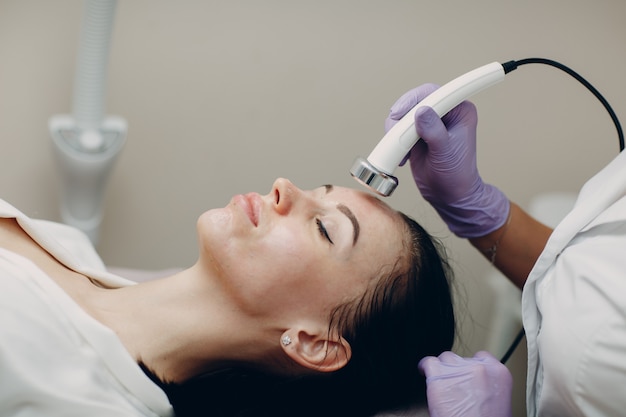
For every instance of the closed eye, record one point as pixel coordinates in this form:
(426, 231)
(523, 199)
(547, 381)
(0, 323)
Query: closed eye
(323, 231)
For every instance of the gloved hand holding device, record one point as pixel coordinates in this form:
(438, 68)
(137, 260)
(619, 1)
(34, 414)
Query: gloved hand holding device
(467, 387)
(444, 166)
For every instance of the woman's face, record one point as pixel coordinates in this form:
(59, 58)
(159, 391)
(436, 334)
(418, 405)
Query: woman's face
(295, 253)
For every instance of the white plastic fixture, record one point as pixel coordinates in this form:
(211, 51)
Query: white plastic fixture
(86, 143)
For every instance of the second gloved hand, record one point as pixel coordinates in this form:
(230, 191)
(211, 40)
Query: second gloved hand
(467, 387)
(444, 168)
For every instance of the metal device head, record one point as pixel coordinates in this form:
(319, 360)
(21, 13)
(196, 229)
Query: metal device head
(368, 175)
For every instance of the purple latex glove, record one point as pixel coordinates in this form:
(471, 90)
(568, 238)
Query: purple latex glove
(467, 387)
(444, 166)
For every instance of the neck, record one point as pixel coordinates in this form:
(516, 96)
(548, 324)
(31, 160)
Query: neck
(180, 326)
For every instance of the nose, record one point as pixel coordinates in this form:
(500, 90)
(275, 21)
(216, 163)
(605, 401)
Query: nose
(284, 194)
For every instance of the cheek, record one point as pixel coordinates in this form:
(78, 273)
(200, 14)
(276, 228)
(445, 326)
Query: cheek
(274, 275)
(268, 262)
(286, 254)
(306, 276)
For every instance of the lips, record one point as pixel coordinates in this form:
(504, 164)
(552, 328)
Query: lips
(250, 204)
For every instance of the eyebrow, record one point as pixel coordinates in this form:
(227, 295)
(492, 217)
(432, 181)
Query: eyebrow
(356, 228)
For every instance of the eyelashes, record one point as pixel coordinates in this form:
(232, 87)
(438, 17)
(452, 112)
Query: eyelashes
(323, 231)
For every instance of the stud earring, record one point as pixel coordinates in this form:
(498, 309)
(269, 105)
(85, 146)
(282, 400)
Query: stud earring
(286, 340)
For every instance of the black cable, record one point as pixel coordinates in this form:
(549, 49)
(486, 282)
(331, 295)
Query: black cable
(513, 346)
(512, 65)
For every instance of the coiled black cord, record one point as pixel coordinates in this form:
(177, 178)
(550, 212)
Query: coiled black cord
(512, 65)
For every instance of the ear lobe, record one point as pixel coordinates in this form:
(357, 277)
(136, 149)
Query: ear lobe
(318, 353)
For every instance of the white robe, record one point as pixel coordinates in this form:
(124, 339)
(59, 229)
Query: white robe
(55, 359)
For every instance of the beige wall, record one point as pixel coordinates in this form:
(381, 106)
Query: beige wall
(221, 97)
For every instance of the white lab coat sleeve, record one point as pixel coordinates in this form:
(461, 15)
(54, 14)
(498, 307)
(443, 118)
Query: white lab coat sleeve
(573, 306)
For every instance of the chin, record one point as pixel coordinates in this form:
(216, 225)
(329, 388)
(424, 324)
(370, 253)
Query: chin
(214, 224)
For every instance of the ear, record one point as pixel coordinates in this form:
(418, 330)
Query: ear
(316, 350)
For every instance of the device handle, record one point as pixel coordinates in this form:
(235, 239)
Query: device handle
(399, 140)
